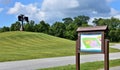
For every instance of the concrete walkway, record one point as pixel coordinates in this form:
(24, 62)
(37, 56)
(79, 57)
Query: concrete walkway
(113, 68)
(117, 46)
(52, 62)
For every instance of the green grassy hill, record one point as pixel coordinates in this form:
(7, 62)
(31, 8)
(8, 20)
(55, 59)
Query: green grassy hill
(28, 45)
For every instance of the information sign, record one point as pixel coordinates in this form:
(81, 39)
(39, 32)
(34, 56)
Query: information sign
(91, 42)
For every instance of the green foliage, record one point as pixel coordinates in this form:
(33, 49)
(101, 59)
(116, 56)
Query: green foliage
(15, 26)
(73, 24)
(57, 29)
(29, 26)
(67, 28)
(67, 21)
(43, 27)
(71, 31)
(80, 20)
(115, 35)
(4, 29)
(113, 26)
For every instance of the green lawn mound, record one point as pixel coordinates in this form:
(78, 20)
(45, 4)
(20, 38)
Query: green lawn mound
(29, 45)
(18, 45)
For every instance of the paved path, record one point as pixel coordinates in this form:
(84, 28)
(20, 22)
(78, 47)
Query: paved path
(52, 62)
(113, 68)
(117, 46)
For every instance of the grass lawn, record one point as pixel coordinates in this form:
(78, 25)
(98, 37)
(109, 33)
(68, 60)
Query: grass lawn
(28, 45)
(87, 66)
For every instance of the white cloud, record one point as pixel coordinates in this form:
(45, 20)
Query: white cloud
(59, 5)
(70, 8)
(90, 22)
(117, 16)
(29, 10)
(114, 12)
(1, 9)
(53, 10)
(16, 8)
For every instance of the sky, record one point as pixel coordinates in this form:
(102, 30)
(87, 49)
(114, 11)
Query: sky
(55, 10)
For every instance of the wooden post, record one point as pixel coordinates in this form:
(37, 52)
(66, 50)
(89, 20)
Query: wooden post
(77, 56)
(106, 55)
(104, 43)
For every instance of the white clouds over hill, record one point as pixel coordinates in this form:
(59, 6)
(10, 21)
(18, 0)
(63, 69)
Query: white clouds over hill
(52, 10)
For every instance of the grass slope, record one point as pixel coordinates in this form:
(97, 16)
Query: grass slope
(28, 45)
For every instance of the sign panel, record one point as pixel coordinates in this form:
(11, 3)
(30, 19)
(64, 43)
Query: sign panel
(91, 42)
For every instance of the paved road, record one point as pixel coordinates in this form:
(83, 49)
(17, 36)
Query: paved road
(52, 62)
(117, 46)
(113, 68)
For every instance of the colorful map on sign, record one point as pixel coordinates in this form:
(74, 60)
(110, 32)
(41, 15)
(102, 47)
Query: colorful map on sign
(91, 42)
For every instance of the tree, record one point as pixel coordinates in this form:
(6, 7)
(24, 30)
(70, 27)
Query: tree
(118, 35)
(43, 27)
(29, 26)
(81, 20)
(36, 28)
(67, 21)
(70, 32)
(4, 29)
(112, 35)
(113, 26)
(57, 29)
(112, 23)
(99, 22)
(15, 26)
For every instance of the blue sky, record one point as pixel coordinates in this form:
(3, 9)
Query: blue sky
(55, 10)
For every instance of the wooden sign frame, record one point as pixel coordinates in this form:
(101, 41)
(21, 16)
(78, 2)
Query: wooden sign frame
(104, 44)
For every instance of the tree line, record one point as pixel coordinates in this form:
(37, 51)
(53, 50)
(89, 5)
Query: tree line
(67, 27)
